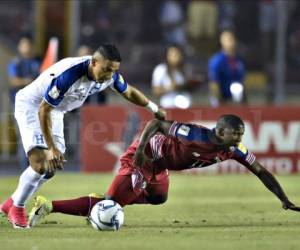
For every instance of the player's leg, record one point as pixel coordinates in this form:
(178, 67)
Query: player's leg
(28, 184)
(120, 191)
(125, 189)
(30, 178)
(133, 189)
(27, 181)
(129, 184)
(35, 175)
(155, 193)
(80, 206)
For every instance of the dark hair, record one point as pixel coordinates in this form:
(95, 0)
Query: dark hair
(110, 52)
(180, 66)
(176, 46)
(230, 121)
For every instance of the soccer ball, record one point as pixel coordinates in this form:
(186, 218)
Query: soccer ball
(107, 215)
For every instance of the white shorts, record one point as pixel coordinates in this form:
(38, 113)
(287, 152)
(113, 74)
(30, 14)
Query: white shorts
(30, 129)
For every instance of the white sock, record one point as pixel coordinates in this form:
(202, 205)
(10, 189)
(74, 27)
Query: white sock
(28, 183)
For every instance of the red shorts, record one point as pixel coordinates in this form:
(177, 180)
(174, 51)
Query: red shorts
(149, 172)
(132, 185)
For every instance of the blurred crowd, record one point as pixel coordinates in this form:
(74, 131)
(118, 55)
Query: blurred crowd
(145, 30)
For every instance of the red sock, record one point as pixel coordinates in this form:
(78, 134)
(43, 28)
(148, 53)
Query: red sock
(81, 206)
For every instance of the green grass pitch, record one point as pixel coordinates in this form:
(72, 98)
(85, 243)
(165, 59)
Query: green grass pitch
(203, 212)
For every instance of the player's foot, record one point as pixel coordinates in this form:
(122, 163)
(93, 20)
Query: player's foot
(5, 206)
(17, 217)
(41, 208)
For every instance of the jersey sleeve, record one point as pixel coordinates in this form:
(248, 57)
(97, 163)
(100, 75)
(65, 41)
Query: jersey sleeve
(213, 69)
(60, 84)
(243, 155)
(119, 84)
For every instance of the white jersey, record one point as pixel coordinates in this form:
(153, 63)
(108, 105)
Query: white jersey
(66, 85)
(161, 78)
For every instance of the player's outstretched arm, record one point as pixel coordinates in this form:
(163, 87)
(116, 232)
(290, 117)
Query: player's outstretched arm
(272, 184)
(135, 96)
(151, 128)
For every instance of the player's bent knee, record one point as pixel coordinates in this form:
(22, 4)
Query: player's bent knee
(157, 199)
(37, 160)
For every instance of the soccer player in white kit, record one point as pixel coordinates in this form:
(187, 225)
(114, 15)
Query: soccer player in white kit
(40, 108)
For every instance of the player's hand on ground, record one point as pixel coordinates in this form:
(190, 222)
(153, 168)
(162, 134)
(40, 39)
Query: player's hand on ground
(160, 114)
(140, 159)
(289, 205)
(55, 159)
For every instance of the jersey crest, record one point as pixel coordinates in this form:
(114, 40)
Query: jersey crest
(183, 130)
(54, 92)
(242, 148)
(121, 79)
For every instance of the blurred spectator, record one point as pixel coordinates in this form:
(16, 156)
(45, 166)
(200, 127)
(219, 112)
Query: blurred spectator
(169, 80)
(226, 73)
(172, 20)
(22, 70)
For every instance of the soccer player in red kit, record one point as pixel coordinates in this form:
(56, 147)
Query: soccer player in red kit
(165, 145)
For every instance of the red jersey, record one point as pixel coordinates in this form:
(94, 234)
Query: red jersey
(188, 146)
